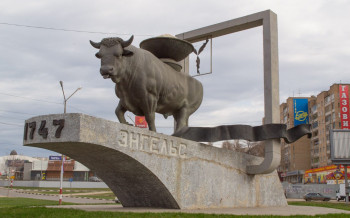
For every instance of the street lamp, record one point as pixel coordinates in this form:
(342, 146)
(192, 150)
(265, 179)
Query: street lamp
(62, 158)
(64, 96)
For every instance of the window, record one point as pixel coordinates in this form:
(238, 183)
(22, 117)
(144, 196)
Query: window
(285, 119)
(314, 109)
(327, 99)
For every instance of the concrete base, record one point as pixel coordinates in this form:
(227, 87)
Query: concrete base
(148, 169)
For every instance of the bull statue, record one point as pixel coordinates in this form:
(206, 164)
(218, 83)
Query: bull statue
(145, 84)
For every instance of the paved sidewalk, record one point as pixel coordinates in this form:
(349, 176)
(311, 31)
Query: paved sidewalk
(282, 211)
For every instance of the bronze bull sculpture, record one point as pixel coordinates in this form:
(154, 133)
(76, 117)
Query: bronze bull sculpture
(145, 85)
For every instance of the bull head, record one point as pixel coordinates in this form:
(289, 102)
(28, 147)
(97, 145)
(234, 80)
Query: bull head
(108, 48)
(109, 42)
(128, 42)
(95, 44)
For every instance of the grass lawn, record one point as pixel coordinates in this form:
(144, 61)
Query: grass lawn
(56, 190)
(53, 212)
(75, 190)
(341, 205)
(26, 202)
(25, 207)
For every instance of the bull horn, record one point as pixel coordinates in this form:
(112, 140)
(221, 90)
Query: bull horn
(127, 43)
(95, 44)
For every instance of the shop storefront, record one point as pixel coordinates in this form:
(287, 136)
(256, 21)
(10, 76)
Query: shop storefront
(326, 175)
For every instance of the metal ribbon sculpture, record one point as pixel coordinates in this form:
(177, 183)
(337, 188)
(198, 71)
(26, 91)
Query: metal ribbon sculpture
(250, 133)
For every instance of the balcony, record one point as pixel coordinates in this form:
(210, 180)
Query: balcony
(328, 112)
(328, 100)
(314, 138)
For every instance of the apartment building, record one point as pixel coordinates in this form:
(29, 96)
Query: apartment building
(295, 157)
(328, 110)
(325, 114)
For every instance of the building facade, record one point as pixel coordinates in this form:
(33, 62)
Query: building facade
(325, 114)
(19, 167)
(328, 110)
(50, 170)
(295, 157)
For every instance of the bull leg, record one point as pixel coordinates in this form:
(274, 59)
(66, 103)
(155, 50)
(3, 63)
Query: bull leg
(181, 118)
(149, 111)
(150, 118)
(120, 111)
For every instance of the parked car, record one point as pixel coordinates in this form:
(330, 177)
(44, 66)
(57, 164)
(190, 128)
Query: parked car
(94, 179)
(316, 197)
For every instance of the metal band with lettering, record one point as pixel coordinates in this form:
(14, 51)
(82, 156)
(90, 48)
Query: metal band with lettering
(250, 133)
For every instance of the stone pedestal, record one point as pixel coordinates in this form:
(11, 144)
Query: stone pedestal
(148, 169)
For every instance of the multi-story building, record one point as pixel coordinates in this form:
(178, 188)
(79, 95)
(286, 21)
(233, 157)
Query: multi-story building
(325, 112)
(324, 115)
(295, 157)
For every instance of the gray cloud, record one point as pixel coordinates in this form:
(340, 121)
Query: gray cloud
(313, 52)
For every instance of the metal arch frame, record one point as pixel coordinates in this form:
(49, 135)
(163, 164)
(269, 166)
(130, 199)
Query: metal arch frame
(268, 20)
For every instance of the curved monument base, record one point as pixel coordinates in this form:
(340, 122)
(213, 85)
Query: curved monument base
(149, 169)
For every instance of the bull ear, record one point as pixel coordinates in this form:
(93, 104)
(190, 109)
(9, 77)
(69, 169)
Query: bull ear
(127, 43)
(127, 53)
(95, 44)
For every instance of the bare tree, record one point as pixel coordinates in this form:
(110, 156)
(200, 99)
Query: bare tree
(252, 148)
(256, 149)
(234, 145)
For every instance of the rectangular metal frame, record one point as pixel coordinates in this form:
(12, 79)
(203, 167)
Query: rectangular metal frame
(332, 148)
(268, 20)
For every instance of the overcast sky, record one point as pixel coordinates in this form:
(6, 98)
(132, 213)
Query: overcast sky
(314, 53)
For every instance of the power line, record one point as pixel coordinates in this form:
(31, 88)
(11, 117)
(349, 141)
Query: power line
(10, 124)
(51, 102)
(29, 98)
(15, 112)
(69, 30)
(15, 118)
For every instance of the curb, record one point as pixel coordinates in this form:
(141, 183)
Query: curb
(65, 195)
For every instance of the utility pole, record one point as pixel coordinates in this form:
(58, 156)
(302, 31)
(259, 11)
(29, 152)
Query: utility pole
(62, 158)
(346, 183)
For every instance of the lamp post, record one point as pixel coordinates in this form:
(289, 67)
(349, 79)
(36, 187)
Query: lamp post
(64, 96)
(62, 158)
